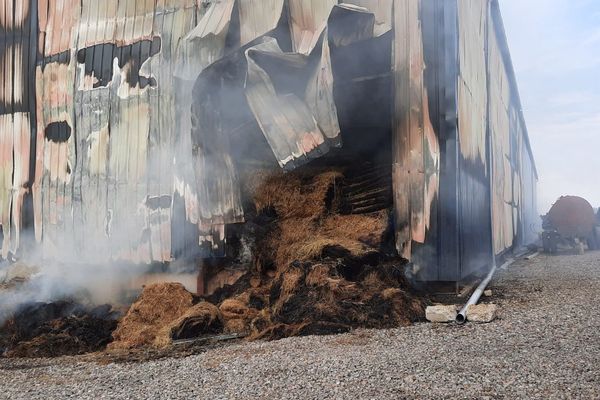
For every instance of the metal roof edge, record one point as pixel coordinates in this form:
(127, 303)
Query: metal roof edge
(503, 42)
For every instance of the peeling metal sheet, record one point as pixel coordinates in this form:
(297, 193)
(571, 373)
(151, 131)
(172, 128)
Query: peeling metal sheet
(204, 44)
(416, 148)
(286, 121)
(119, 55)
(211, 195)
(308, 19)
(348, 24)
(319, 96)
(218, 190)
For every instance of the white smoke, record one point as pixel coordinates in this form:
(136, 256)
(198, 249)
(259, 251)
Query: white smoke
(38, 279)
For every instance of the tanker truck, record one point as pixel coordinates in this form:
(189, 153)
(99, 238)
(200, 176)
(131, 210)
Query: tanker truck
(571, 222)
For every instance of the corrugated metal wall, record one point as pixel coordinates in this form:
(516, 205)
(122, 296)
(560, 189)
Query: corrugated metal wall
(89, 87)
(120, 156)
(416, 153)
(487, 192)
(474, 179)
(17, 113)
(516, 220)
(121, 112)
(105, 141)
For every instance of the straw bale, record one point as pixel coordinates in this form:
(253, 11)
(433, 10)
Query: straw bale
(201, 319)
(158, 306)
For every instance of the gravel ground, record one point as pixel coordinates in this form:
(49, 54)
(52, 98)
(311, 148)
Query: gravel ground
(545, 345)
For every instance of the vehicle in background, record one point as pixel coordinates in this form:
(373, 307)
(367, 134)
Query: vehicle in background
(571, 222)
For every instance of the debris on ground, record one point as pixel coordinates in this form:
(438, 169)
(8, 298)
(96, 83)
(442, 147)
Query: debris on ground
(482, 313)
(441, 313)
(57, 329)
(525, 355)
(488, 293)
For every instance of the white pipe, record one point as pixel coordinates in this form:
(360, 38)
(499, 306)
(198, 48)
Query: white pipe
(461, 318)
(532, 256)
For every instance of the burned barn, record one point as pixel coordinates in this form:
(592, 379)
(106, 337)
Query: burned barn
(151, 131)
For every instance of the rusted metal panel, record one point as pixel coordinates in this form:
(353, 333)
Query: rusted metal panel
(405, 14)
(57, 19)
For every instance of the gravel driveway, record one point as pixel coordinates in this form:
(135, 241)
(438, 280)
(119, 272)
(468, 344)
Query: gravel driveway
(545, 345)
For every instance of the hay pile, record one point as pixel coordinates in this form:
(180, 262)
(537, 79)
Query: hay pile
(308, 224)
(315, 271)
(304, 298)
(308, 299)
(238, 314)
(158, 306)
(57, 329)
(201, 319)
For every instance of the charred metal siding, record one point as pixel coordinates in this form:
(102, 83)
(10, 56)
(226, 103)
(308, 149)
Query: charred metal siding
(487, 191)
(18, 37)
(105, 81)
(122, 120)
(416, 150)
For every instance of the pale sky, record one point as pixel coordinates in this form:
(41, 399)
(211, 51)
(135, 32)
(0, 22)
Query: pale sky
(555, 47)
